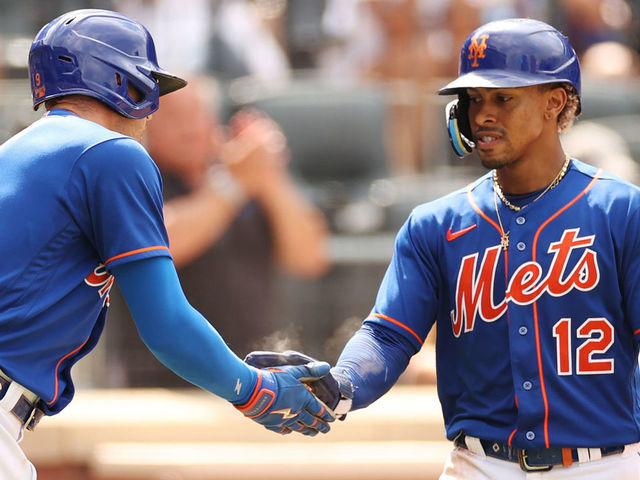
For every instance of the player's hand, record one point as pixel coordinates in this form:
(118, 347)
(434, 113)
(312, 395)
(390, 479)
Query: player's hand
(281, 403)
(334, 390)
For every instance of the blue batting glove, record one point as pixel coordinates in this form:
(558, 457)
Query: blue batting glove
(283, 404)
(335, 390)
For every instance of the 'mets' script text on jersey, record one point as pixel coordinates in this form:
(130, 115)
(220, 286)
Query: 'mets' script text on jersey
(474, 292)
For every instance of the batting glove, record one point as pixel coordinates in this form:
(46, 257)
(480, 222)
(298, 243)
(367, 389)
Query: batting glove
(334, 390)
(282, 404)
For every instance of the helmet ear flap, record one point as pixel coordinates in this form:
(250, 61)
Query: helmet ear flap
(458, 128)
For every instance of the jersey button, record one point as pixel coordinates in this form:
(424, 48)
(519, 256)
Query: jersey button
(520, 220)
(527, 385)
(521, 246)
(530, 435)
(523, 330)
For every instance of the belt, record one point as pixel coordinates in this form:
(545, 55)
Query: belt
(25, 407)
(537, 459)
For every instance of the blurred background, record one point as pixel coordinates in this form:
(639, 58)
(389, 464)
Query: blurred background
(349, 88)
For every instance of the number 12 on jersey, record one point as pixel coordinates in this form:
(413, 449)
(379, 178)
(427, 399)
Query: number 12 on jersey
(599, 335)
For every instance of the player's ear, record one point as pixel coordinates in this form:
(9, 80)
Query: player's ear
(556, 99)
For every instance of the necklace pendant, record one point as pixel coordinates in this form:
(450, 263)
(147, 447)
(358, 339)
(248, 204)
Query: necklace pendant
(504, 241)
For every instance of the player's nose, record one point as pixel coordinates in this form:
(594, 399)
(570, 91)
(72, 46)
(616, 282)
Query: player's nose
(483, 113)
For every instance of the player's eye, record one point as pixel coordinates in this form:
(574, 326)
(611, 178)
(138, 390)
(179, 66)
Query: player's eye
(503, 98)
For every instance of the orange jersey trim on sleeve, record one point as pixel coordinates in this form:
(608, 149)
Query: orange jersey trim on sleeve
(396, 322)
(134, 252)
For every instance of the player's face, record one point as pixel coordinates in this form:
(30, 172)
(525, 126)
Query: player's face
(507, 123)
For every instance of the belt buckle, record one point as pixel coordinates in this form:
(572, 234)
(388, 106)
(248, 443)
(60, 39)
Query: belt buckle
(34, 418)
(27, 413)
(522, 460)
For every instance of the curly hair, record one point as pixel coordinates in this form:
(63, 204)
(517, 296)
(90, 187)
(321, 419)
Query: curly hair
(570, 110)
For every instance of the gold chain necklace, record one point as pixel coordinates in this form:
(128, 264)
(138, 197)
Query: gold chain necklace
(497, 192)
(504, 236)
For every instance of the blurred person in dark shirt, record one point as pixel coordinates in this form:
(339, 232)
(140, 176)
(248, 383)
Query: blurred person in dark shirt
(234, 217)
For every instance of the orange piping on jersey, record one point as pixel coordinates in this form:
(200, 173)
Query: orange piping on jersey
(511, 437)
(480, 212)
(396, 322)
(55, 393)
(133, 252)
(636, 332)
(543, 387)
(535, 304)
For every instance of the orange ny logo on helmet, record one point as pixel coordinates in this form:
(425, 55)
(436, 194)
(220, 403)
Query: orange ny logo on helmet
(476, 50)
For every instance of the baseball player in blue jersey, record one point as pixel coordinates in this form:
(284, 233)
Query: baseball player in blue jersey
(530, 274)
(80, 208)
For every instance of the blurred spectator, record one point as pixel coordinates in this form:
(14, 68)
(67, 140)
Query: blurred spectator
(614, 69)
(587, 22)
(404, 44)
(233, 215)
(226, 38)
(609, 60)
(180, 32)
(245, 41)
(404, 63)
(603, 147)
(356, 36)
(190, 146)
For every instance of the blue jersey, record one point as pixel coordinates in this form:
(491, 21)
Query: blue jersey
(537, 343)
(75, 200)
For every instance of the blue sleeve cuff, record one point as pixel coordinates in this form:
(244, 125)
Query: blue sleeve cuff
(177, 334)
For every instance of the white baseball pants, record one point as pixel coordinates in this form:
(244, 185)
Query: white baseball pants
(14, 465)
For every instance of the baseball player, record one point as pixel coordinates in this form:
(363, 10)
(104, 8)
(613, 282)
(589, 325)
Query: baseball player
(80, 208)
(530, 274)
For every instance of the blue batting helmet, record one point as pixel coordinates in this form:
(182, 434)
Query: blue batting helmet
(99, 53)
(516, 52)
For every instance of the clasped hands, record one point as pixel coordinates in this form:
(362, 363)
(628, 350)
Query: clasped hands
(296, 393)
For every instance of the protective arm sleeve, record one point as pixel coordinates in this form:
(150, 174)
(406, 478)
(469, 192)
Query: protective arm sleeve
(177, 334)
(373, 359)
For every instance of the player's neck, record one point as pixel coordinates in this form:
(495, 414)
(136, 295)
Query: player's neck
(530, 174)
(85, 107)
